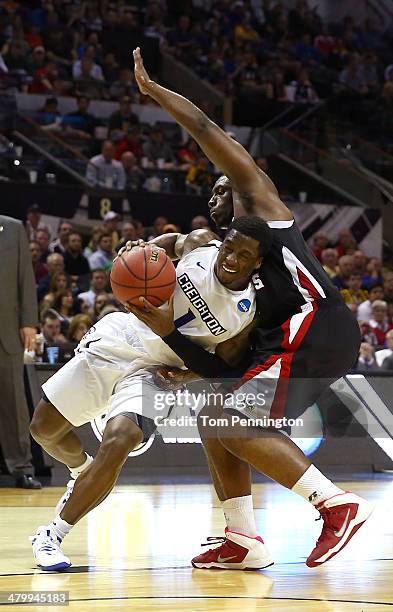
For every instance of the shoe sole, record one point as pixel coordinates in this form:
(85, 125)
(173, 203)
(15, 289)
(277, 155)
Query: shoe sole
(230, 566)
(365, 514)
(58, 567)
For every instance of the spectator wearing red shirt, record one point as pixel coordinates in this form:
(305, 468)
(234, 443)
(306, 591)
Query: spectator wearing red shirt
(40, 269)
(131, 142)
(320, 243)
(379, 323)
(324, 43)
(346, 243)
(188, 154)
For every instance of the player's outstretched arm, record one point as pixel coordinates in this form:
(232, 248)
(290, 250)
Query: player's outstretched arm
(254, 191)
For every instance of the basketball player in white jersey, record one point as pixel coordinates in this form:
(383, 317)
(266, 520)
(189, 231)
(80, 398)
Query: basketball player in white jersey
(111, 371)
(306, 339)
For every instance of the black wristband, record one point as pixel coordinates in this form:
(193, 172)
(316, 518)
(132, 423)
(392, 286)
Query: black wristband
(195, 357)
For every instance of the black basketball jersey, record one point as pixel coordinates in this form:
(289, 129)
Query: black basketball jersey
(290, 277)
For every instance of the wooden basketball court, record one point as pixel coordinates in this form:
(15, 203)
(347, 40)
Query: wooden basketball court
(133, 553)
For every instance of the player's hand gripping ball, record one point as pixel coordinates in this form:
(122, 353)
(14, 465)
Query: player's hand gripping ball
(144, 271)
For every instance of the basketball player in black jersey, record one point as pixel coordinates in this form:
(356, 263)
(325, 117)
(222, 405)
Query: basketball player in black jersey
(308, 338)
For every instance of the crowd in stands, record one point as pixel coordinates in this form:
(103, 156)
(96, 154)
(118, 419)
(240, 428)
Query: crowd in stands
(367, 289)
(72, 276)
(65, 47)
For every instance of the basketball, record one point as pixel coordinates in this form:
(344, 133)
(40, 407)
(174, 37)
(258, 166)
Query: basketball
(143, 272)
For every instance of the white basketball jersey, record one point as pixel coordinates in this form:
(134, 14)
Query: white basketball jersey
(205, 311)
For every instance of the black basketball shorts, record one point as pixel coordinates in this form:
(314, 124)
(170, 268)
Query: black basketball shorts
(294, 363)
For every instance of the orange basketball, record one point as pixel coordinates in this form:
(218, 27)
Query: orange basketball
(143, 271)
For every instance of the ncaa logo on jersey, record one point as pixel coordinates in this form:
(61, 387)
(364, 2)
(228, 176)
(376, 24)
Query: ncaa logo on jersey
(244, 305)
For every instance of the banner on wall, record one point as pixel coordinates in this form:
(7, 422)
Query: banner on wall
(364, 223)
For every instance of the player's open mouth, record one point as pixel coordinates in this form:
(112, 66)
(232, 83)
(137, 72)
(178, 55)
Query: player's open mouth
(228, 270)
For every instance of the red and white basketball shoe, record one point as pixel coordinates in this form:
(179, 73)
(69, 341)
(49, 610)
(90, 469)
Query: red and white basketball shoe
(237, 552)
(342, 515)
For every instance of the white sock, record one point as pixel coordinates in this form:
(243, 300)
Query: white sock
(315, 487)
(239, 515)
(59, 527)
(75, 471)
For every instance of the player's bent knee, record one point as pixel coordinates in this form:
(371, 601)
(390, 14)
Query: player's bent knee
(47, 424)
(121, 436)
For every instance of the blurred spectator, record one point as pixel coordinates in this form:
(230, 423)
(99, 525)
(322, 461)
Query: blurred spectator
(329, 262)
(169, 228)
(55, 264)
(157, 150)
(352, 76)
(49, 116)
(366, 359)
(379, 321)
(59, 282)
(324, 43)
(359, 262)
(346, 243)
(199, 178)
(301, 90)
(320, 243)
(63, 306)
(385, 352)
(365, 309)
(91, 80)
(345, 268)
(101, 300)
(157, 229)
(75, 263)
(199, 222)
(110, 69)
(43, 239)
(134, 174)
(188, 154)
(34, 222)
(61, 243)
(128, 231)
(110, 225)
(99, 282)
(103, 256)
(80, 123)
(125, 87)
(354, 294)
(373, 273)
(78, 327)
(93, 243)
(367, 334)
(51, 328)
(40, 269)
(121, 120)
(86, 67)
(46, 80)
(104, 170)
(131, 142)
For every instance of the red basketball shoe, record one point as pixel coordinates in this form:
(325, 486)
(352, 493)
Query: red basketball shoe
(342, 515)
(237, 551)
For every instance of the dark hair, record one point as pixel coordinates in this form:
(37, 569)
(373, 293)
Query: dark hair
(256, 228)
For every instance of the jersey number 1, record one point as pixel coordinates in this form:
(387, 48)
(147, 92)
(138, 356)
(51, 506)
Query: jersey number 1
(184, 319)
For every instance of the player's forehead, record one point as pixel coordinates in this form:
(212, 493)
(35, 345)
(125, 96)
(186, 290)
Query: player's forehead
(222, 181)
(239, 241)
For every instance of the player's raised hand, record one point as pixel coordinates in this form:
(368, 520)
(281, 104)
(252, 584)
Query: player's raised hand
(130, 244)
(160, 320)
(141, 75)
